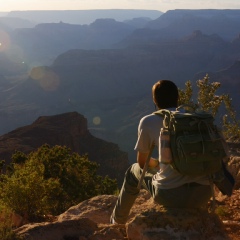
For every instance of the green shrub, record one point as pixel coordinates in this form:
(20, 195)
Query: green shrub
(207, 99)
(50, 180)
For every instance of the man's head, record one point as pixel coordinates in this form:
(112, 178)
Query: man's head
(165, 94)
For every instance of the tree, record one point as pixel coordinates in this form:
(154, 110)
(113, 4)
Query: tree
(50, 180)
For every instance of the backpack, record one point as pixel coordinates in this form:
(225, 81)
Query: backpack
(191, 142)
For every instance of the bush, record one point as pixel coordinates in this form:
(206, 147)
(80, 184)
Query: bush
(50, 180)
(207, 99)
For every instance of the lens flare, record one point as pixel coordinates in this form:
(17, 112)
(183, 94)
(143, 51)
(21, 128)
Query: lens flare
(46, 78)
(96, 120)
(37, 73)
(4, 41)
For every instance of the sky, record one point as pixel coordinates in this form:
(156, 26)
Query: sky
(161, 5)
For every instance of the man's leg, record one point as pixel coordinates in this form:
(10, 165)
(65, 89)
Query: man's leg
(129, 192)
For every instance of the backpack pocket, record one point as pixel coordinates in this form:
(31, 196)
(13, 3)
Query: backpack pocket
(198, 156)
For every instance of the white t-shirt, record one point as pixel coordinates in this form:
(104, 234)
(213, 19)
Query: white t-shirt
(167, 177)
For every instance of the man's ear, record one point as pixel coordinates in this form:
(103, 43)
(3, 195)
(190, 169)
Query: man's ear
(154, 101)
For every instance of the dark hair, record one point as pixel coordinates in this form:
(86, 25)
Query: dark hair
(165, 94)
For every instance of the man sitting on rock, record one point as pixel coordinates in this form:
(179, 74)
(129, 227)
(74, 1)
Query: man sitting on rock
(166, 186)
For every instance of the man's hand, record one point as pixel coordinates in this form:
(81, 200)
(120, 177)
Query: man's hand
(142, 157)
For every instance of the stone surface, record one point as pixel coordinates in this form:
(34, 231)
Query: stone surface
(89, 220)
(163, 224)
(70, 229)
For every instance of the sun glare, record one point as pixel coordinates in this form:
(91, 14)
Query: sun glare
(4, 41)
(46, 78)
(96, 120)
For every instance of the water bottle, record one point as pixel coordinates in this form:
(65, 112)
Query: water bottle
(165, 154)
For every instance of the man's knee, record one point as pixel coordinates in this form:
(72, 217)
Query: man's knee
(132, 175)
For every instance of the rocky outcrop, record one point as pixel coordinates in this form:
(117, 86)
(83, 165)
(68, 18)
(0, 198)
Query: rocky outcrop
(89, 220)
(176, 224)
(71, 130)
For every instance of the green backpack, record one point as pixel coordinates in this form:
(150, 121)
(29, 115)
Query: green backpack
(193, 140)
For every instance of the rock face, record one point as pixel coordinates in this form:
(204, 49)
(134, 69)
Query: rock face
(69, 129)
(89, 220)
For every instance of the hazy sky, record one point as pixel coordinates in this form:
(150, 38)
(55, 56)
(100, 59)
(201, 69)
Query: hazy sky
(161, 5)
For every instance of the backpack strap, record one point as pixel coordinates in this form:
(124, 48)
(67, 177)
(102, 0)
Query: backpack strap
(167, 118)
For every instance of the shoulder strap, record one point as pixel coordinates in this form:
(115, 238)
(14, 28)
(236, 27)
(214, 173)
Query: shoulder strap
(168, 119)
(162, 112)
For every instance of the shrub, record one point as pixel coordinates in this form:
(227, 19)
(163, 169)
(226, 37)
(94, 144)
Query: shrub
(50, 180)
(207, 99)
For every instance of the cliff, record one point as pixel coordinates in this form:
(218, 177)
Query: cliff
(71, 130)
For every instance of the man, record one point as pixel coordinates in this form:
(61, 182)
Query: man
(167, 187)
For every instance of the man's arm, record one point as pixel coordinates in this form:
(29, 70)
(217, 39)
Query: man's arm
(142, 157)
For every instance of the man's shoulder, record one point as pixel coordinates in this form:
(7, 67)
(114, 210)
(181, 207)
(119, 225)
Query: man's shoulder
(151, 118)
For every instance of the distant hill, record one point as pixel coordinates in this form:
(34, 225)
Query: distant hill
(178, 23)
(12, 23)
(83, 16)
(44, 42)
(40, 45)
(140, 22)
